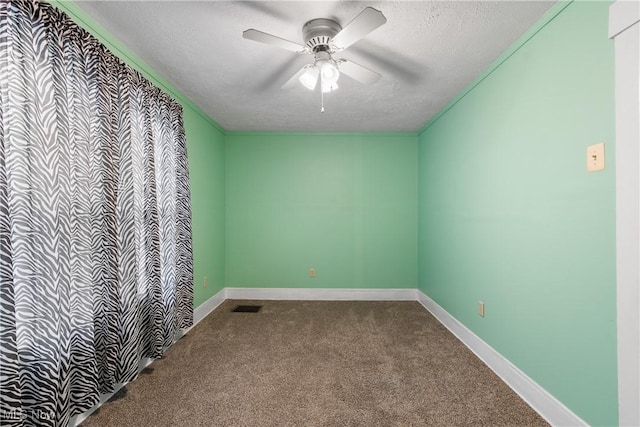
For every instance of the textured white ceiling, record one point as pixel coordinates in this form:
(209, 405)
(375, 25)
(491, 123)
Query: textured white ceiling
(427, 52)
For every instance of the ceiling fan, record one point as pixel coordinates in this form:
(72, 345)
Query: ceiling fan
(323, 38)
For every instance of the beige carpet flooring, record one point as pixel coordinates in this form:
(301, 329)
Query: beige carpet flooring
(320, 363)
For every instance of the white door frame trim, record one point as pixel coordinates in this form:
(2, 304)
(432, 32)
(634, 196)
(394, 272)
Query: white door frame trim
(624, 29)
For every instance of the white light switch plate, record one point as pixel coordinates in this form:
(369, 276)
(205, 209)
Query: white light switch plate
(595, 157)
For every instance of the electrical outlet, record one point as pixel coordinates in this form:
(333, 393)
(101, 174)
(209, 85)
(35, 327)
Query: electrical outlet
(312, 272)
(481, 308)
(205, 282)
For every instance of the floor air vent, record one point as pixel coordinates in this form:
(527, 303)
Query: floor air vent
(246, 308)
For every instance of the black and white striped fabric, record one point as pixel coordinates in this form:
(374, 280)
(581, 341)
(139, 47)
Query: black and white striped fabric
(96, 267)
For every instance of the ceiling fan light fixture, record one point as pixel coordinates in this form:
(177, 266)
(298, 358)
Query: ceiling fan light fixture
(309, 78)
(328, 86)
(329, 73)
(328, 70)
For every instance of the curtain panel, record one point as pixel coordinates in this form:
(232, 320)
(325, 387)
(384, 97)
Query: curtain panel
(96, 266)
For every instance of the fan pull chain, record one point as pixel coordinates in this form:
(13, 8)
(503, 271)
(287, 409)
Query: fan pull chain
(322, 101)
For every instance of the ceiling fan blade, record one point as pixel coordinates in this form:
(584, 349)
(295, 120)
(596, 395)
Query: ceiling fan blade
(261, 37)
(295, 79)
(368, 20)
(402, 66)
(358, 72)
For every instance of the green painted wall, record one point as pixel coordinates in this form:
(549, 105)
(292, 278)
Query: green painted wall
(345, 204)
(491, 201)
(509, 215)
(205, 148)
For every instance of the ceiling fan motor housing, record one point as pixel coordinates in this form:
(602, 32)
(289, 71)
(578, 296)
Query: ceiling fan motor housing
(317, 34)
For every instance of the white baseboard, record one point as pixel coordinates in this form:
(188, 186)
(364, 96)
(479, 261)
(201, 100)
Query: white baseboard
(549, 408)
(322, 294)
(207, 307)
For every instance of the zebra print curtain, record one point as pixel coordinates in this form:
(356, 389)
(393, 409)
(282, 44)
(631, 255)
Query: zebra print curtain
(95, 221)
